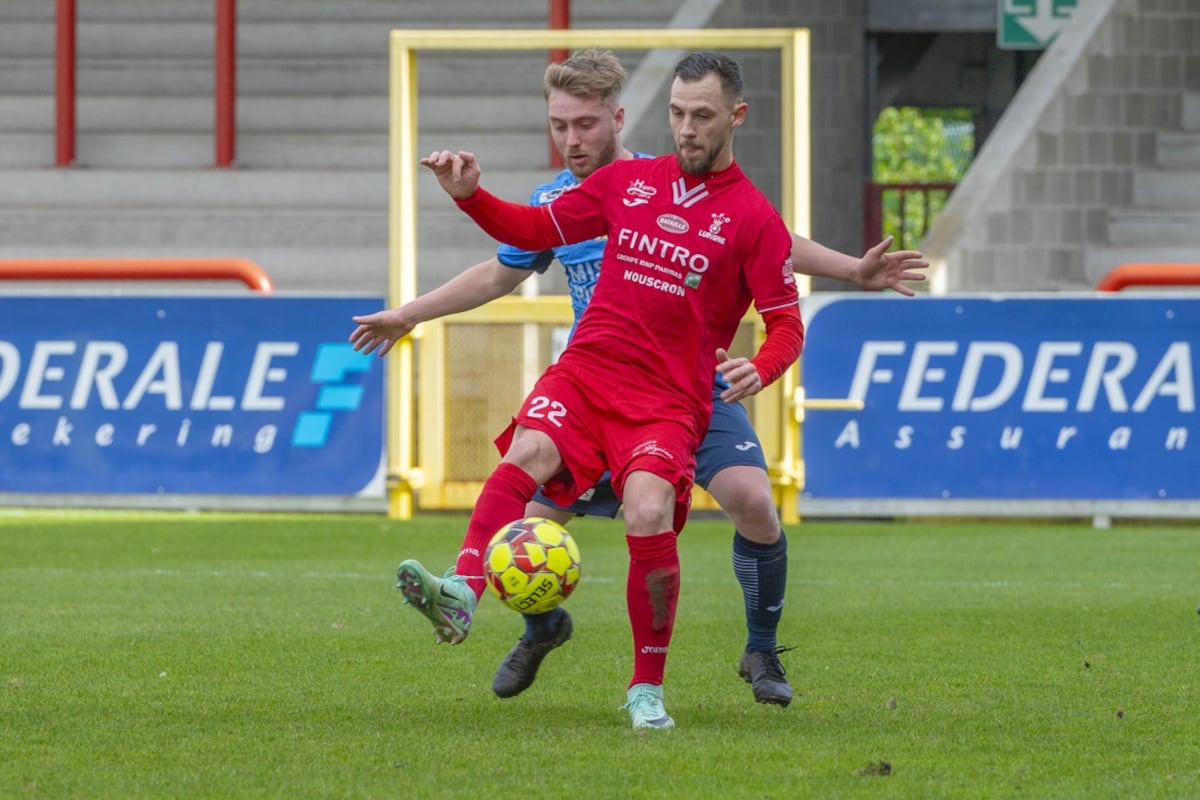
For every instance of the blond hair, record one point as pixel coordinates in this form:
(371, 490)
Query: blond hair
(588, 73)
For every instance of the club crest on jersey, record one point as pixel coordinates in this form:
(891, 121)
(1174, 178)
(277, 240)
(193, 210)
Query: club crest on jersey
(639, 193)
(673, 223)
(692, 280)
(686, 197)
(714, 230)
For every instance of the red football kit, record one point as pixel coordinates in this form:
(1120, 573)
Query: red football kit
(685, 257)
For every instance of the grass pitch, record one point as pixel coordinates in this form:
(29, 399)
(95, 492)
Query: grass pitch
(174, 655)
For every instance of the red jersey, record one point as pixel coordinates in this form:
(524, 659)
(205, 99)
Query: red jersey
(685, 257)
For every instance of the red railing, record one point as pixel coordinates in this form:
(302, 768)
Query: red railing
(137, 269)
(225, 93)
(904, 210)
(560, 19)
(1163, 274)
(225, 82)
(225, 79)
(64, 83)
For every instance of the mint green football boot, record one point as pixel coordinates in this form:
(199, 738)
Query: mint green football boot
(645, 705)
(447, 602)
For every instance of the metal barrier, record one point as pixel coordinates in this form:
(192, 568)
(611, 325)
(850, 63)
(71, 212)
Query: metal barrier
(137, 269)
(1146, 274)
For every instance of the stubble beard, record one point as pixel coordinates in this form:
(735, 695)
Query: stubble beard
(606, 156)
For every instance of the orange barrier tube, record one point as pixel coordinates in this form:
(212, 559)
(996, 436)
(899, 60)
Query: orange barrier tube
(137, 269)
(1162, 274)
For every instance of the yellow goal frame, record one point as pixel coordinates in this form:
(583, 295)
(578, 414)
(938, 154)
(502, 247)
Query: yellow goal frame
(778, 410)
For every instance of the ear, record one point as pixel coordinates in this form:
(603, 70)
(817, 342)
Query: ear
(739, 114)
(619, 119)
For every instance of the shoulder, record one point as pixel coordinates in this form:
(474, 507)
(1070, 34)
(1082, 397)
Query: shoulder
(642, 164)
(549, 191)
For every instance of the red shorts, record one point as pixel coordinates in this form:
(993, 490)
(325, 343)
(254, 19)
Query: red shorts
(615, 428)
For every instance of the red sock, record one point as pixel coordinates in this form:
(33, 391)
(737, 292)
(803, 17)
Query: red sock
(651, 594)
(502, 500)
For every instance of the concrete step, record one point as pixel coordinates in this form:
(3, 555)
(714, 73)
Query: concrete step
(398, 14)
(408, 13)
(285, 36)
(1178, 150)
(1163, 189)
(1162, 228)
(196, 189)
(261, 150)
(1191, 111)
(203, 189)
(446, 74)
(143, 227)
(440, 225)
(518, 112)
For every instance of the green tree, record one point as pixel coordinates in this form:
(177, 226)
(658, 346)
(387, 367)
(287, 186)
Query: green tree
(919, 146)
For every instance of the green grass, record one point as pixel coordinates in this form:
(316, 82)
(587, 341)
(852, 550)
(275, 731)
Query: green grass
(229, 656)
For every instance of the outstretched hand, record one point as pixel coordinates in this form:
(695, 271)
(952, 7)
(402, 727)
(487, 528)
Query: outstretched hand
(379, 331)
(879, 269)
(741, 375)
(457, 173)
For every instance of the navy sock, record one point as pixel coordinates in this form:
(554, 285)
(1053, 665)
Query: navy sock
(541, 627)
(761, 569)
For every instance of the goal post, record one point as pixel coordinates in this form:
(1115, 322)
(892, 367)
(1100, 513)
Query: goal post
(777, 412)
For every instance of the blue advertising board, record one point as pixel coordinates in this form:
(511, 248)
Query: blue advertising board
(1006, 397)
(190, 395)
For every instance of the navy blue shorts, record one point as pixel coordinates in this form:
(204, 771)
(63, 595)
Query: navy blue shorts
(730, 442)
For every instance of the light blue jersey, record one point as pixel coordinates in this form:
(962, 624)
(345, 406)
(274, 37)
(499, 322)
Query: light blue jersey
(581, 260)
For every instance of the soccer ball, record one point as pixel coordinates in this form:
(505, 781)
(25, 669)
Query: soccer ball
(532, 565)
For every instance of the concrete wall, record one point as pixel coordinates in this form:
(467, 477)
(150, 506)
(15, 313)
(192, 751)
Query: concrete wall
(1095, 163)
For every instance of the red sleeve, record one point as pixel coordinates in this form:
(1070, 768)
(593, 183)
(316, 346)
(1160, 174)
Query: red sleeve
(781, 348)
(526, 227)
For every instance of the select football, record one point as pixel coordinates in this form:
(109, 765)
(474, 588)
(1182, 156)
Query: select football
(532, 565)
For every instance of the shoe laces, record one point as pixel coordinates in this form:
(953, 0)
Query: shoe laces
(772, 667)
(646, 703)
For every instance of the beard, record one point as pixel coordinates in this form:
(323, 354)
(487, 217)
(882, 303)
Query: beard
(605, 155)
(700, 165)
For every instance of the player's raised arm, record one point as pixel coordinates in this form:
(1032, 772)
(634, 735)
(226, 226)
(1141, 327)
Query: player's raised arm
(876, 270)
(471, 288)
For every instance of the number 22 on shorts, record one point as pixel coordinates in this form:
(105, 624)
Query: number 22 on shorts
(542, 407)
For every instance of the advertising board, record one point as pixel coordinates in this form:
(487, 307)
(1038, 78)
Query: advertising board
(1004, 397)
(187, 395)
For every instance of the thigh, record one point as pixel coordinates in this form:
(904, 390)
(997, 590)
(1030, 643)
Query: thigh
(730, 441)
(560, 407)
